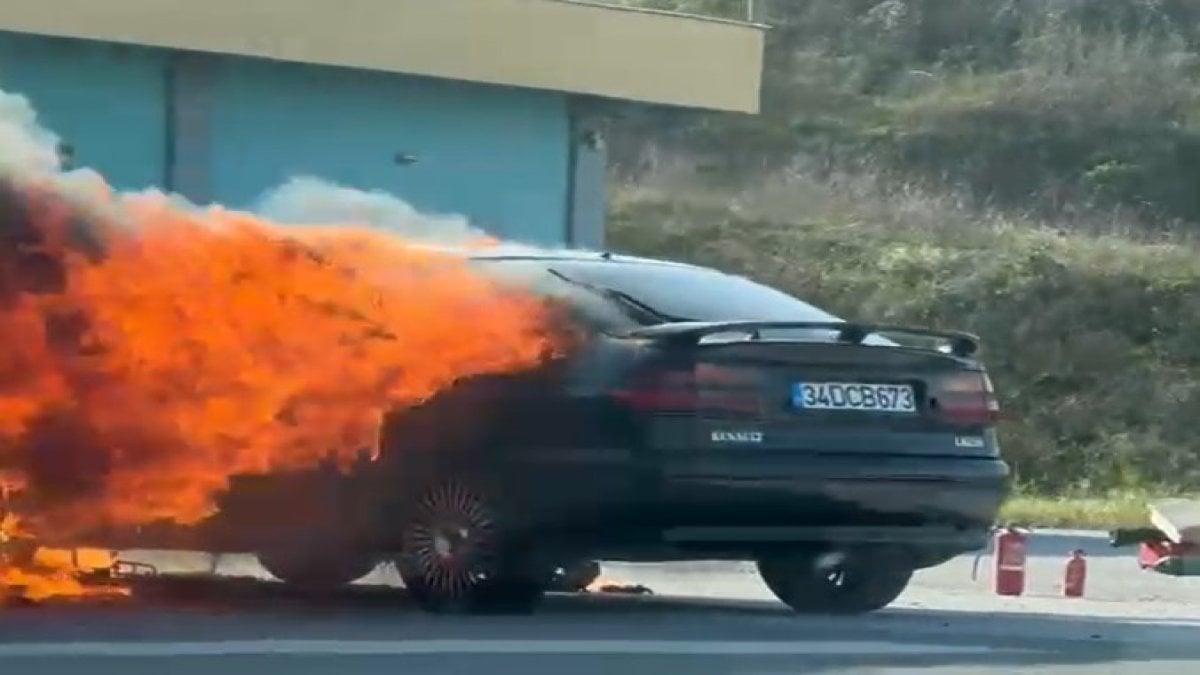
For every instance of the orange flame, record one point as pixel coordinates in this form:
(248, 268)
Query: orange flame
(152, 350)
(32, 573)
(55, 573)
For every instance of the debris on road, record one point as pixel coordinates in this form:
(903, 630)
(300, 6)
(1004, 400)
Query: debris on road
(623, 589)
(30, 573)
(575, 578)
(605, 585)
(1172, 545)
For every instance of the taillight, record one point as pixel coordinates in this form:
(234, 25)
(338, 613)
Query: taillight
(966, 398)
(660, 390)
(704, 388)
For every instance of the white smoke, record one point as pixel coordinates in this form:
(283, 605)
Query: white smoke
(29, 151)
(311, 201)
(308, 200)
(26, 148)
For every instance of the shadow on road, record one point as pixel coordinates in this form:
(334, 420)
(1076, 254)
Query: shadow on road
(208, 608)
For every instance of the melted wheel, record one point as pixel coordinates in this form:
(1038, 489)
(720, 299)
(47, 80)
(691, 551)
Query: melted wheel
(450, 546)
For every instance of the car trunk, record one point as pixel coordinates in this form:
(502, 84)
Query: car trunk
(772, 397)
(735, 443)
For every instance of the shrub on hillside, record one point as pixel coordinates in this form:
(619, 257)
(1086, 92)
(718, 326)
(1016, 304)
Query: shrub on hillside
(1079, 120)
(1047, 106)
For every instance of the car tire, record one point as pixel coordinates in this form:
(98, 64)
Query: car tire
(575, 577)
(457, 554)
(313, 569)
(855, 582)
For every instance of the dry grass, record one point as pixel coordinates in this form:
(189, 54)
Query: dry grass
(1087, 513)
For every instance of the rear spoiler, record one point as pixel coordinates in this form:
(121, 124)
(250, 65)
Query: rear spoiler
(691, 332)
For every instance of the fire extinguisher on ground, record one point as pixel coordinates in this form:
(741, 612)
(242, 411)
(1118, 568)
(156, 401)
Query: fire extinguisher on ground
(1010, 552)
(1075, 575)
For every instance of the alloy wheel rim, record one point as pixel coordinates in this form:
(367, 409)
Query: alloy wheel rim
(836, 569)
(450, 542)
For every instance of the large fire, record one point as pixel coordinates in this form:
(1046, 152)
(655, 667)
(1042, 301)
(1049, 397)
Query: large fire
(152, 350)
(33, 573)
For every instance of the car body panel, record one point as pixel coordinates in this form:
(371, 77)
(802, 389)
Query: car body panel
(584, 469)
(629, 483)
(585, 463)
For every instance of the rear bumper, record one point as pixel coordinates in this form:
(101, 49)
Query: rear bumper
(951, 501)
(933, 537)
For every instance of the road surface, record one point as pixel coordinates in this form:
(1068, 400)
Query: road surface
(703, 618)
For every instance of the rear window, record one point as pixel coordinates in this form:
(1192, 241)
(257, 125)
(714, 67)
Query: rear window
(670, 292)
(693, 294)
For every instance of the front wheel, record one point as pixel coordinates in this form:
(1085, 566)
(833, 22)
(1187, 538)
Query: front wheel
(314, 568)
(457, 554)
(836, 582)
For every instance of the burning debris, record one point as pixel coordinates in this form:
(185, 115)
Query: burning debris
(614, 586)
(30, 573)
(154, 348)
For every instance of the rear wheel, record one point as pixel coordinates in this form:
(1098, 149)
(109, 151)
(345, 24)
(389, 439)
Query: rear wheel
(307, 527)
(312, 568)
(458, 555)
(835, 582)
(575, 577)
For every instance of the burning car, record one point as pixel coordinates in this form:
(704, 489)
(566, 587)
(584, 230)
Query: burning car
(704, 416)
(483, 418)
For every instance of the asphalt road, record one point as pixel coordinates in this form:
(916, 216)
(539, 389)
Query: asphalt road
(704, 618)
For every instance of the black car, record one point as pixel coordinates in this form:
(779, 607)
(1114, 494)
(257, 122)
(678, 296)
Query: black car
(706, 417)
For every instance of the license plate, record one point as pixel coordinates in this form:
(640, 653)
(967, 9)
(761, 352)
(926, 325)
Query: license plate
(889, 398)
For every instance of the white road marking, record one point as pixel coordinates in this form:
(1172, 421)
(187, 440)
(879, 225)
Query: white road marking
(422, 647)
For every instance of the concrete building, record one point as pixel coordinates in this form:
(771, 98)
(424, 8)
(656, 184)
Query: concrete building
(476, 107)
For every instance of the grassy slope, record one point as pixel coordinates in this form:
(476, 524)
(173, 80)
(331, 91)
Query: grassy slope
(1091, 513)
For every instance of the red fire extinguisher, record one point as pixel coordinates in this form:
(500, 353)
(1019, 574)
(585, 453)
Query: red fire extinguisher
(1010, 548)
(1075, 575)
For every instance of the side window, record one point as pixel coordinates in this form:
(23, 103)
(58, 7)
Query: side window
(590, 310)
(696, 294)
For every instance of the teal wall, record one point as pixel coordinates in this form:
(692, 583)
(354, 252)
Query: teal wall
(105, 100)
(497, 155)
(227, 129)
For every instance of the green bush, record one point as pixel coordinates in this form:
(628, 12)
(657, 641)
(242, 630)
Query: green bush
(1080, 120)
(1094, 341)
(1045, 106)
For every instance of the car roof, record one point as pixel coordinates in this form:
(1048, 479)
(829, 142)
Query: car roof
(518, 252)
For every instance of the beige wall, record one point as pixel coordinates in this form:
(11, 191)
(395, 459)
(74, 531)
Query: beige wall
(548, 44)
